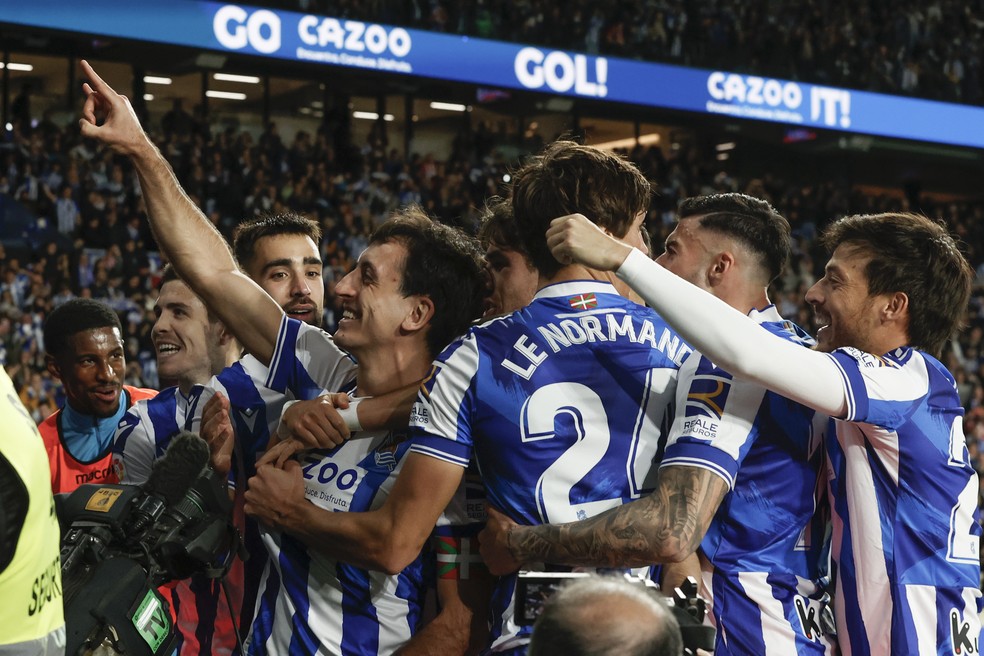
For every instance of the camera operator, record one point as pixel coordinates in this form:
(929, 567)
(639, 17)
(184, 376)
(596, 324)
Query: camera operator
(601, 615)
(31, 617)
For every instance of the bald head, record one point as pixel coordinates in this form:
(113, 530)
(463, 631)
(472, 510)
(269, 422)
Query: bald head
(597, 616)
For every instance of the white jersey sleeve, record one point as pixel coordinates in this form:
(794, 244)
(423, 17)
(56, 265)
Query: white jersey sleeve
(733, 341)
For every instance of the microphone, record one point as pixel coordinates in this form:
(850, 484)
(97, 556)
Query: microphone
(171, 477)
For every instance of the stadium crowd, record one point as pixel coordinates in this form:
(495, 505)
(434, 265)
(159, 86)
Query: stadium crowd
(924, 49)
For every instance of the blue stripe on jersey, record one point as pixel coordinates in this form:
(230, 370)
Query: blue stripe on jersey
(287, 334)
(265, 612)
(787, 618)
(360, 621)
(162, 417)
(295, 563)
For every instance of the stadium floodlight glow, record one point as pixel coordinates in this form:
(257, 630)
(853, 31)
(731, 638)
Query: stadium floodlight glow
(14, 66)
(225, 95)
(723, 147)
(722, 156)
(229, 77)
(448, 107)
(156, 79)
(372, 116)
(148, 97)
(644, 140)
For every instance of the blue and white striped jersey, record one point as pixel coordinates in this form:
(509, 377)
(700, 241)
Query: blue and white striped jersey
(146, 430)
(905, 519)
(563, 405)
(310, 603)
(762, 550)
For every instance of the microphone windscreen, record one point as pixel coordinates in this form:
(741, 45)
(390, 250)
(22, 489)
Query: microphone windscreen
(173, 474)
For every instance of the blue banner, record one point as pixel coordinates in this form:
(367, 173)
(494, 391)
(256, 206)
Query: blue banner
(295, 36)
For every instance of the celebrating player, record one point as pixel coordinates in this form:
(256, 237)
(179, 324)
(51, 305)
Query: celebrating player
(418, 285)
(739, 476)
(903, 493)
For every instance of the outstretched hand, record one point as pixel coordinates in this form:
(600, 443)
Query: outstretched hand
(573, 239)
(120, 128)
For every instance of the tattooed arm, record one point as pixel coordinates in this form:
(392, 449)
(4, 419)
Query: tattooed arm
(665, 526)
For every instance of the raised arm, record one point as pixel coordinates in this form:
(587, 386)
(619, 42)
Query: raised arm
(199, 254)
(733, 341)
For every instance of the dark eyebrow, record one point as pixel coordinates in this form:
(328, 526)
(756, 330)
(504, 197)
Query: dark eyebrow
(286, 262)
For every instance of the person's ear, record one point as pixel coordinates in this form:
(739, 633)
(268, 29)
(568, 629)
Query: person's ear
(51, 364)
(420, 314)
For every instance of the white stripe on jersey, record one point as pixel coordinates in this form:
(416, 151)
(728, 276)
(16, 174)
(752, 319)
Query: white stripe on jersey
(874, 601)
(922, 603)
(452, 384)
(777, 632)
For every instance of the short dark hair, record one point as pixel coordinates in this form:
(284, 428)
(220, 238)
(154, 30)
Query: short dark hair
(247, 233)
(913, 254)
(570, 178)
(168, 274)
(76, 316)
(442, 263)
(499, 226)
(576, 621)
(751, 221)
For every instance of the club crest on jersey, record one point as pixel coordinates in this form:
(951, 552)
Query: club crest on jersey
(582, 302)
(961, 639)
(385, 453)
(808, 620)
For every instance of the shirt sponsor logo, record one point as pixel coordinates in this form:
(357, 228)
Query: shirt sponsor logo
(95, 475)
(808, 620)
(961, 639)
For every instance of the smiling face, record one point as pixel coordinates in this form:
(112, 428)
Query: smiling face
(846, 312)
(188, 344)
(91, 368)
(288, 267)
(373, 307)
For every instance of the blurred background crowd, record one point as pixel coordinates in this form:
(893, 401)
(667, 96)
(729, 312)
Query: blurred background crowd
(86, 235)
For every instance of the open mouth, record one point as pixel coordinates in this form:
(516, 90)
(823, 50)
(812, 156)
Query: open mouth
(165, 349)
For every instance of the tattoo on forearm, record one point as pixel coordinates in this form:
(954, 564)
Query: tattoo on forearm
(666, 525)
